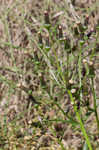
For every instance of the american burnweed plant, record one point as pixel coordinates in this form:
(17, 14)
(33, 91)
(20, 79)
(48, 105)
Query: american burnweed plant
(51, 74)
(71, 80)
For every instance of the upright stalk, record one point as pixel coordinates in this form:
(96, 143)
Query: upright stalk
(80, 121)
(95, 103)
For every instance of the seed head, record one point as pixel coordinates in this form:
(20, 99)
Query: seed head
(73, 91)
(84, 61)
(71, 81)
(90, 63)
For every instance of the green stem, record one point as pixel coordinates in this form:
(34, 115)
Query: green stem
(80, 72)
(80, 121)
(95, 103)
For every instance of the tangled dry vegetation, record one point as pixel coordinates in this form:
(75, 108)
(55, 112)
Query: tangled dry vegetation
(40, 59)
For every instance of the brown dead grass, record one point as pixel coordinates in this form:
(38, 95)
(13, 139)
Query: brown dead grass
(19, 23)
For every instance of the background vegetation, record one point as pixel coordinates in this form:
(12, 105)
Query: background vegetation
(49, 65)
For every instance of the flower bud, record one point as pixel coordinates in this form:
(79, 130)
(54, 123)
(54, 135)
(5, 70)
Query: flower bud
(60, 32)
(47, 43)
(86, 20)
(40, 38)
(46, 15)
